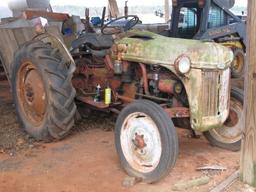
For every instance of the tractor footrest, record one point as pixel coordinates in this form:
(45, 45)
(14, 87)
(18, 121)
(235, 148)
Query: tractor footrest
(178, 112)
(90, 101)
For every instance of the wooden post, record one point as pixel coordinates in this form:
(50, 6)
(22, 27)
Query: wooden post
(167, 10)
(248, 154)
(113, 8)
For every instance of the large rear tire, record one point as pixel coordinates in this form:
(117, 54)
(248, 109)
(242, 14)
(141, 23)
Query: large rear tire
(43, 92)
(230, 135)
(146, 141)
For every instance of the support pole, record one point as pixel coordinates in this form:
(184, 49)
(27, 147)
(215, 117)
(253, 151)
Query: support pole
(167, 10)
(113, 8)
(248, 154)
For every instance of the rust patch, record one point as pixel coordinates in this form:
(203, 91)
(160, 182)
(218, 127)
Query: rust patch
(31, 93)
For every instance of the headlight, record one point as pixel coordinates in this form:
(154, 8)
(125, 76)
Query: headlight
(183, 65)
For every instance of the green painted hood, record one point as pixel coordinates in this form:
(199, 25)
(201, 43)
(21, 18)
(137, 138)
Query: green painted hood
(150, 48)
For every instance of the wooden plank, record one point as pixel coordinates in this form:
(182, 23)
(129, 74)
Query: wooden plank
(167, 10)
(113, 8)
(8, 46)
(30, 14)
(12, 39)
(189, 184)
(248, 154)
(226, 183)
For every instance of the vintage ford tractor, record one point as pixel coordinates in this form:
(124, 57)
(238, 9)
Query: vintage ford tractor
(150, 81)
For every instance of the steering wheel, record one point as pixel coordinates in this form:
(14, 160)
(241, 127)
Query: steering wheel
(118, 26)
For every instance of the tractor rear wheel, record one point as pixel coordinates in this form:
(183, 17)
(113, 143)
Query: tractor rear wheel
(43, 92)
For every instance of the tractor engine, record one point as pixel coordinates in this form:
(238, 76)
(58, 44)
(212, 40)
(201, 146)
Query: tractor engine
(128, 80)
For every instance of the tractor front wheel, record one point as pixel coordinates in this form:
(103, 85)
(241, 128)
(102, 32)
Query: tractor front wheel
(229, 136)
(238, 65)
(146, 141)
(43, 92)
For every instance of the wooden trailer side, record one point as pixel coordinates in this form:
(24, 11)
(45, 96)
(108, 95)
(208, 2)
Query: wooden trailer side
(12, 39)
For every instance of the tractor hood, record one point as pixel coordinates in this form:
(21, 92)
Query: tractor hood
(150, 48)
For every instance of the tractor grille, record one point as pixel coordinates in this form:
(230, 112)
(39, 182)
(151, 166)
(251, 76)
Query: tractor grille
(210, 93)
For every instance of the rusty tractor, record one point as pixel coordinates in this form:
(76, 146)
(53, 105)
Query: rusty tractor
(150, 81)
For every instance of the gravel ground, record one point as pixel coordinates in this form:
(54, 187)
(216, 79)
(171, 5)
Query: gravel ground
(13, 138)
(238, 186)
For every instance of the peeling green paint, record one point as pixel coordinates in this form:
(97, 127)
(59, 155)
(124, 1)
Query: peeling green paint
(254, 173)
(150, 48)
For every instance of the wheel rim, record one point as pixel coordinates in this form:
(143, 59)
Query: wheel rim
(31, 93)
(231, 131)
(238, 63)
(141, 142)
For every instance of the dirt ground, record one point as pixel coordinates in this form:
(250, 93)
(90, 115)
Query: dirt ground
(87, 160)
(238, 186)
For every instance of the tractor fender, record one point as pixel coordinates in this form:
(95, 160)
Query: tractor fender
(57, 43)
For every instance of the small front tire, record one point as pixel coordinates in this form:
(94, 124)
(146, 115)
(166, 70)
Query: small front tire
(230, 135)
(146, 141)
(238, 65)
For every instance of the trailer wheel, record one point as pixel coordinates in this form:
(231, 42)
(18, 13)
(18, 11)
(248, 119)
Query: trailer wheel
(238, 64)
(229, 136)
(146, 141)
(42, 91)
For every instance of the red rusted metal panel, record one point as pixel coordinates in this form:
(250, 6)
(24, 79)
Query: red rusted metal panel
(30, 14)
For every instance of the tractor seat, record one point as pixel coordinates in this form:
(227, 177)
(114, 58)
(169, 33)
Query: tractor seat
(94, 41)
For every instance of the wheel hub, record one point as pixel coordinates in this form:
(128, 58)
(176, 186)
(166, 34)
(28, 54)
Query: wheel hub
(138, 141)
(32, 94)
(232, 119)
(141, 142)
(29, 93)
